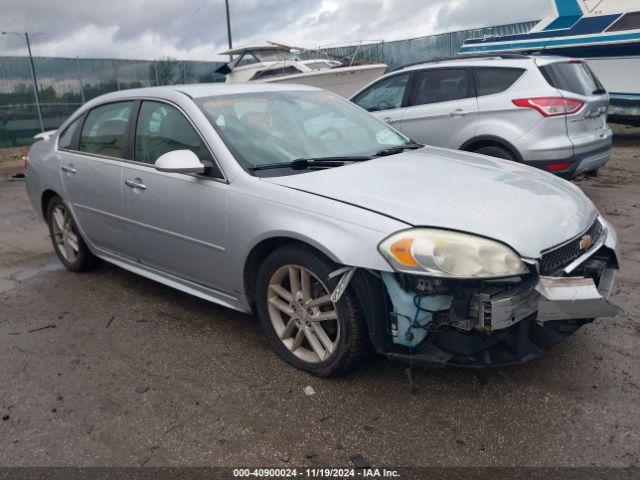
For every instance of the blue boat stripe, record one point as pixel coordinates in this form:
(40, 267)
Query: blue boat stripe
(550, 43)
(588, 25)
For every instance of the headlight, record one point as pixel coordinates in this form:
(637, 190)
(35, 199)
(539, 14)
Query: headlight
(442, 253)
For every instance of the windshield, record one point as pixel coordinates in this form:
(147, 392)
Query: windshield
(276, 127)
(274, 55)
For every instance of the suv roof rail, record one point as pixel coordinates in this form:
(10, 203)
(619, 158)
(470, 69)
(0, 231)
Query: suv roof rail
(505, 56)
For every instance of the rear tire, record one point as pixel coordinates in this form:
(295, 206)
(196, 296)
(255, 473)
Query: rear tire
(68, 244)
(593, 173)
(292, 294)
(495, 151)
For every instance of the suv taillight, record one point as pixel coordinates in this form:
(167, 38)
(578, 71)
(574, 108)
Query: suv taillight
(26, 163)
(550, 106)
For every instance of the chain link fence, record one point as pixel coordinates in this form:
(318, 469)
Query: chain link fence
(66, 83)
(403, 52)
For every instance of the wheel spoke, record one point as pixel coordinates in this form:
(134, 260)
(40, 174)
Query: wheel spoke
(69, 254)
(58, 218)
(318, 302)
(282, 292)
(315, 343)
(324, 338)
(280, 305)
(294, 280)
(72, 240)
(324, 316)
(288, 330)
(305, 285)
(297, 342)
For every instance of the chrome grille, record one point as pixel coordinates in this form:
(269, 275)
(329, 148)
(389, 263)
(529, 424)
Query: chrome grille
(558, 258)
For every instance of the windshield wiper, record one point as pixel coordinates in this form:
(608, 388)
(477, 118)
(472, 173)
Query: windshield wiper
(399, 149)
(307, 163)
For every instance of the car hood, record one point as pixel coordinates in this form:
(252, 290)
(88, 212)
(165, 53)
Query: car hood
(525, 208)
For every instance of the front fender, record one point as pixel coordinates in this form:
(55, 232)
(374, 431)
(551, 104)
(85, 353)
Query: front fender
(347, 234)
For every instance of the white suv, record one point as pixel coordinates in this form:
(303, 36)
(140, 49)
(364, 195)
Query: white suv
(547, 112)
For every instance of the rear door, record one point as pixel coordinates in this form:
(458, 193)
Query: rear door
(92, 150)
(442, 108)
(386, 98)
(587, 129)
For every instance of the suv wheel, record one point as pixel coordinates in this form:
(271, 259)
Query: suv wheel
(293, 298)
(67, 242)
(495, 151)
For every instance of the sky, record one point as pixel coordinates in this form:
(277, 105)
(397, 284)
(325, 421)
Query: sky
(196, 29)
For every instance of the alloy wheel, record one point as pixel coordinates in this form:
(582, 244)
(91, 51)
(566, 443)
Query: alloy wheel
(64, 234)
(302, 314)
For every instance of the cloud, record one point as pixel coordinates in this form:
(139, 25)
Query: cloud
(195, 29)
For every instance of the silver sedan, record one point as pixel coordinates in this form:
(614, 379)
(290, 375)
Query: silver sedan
(341, 234)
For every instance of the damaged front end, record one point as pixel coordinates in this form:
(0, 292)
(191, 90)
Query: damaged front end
(499, 321)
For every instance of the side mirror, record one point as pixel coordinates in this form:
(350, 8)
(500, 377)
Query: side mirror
(180, 161)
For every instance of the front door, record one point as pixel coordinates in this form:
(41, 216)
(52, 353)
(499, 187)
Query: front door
(178, 222)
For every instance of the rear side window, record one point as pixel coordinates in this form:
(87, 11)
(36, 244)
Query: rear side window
(66, 139)
(630, 21)
(574, 77)
(495, 80)
(435, 86)
(105, 128)
(387, 94)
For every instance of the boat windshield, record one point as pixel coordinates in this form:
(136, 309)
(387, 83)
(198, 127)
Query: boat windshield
(275, 55)
(263, 128)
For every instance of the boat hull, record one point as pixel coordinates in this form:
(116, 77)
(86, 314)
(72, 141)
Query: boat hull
(341, 81)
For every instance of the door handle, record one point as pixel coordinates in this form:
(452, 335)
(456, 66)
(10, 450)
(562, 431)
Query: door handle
(459, 113)
(68, 169)
(390, 120)
(133, 184)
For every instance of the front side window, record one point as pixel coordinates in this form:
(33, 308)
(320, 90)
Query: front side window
(384, 95)
(105, 129)
(66, 139)
(495, 80)
(161, 129)
(442, 85)
(264, 128)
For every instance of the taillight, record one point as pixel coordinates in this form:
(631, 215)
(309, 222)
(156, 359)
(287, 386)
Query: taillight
(26, 163)
(550, 106)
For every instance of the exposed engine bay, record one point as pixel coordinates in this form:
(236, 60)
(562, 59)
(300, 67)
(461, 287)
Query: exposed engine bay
(484, 323)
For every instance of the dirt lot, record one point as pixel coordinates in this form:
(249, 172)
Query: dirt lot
(107, 368)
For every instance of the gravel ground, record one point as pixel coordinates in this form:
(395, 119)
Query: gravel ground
(109, 369)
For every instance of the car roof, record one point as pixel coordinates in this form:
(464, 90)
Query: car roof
(205, 90)
(486, 60)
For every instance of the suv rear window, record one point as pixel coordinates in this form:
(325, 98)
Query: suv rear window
(574, 77)
(495, 80)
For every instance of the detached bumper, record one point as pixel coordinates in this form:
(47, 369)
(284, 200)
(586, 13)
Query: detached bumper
(574, 298)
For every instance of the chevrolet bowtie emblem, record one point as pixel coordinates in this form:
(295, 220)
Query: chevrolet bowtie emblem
(586, 242)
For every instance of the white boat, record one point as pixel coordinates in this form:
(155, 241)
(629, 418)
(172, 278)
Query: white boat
(604, 32)
(283, 64)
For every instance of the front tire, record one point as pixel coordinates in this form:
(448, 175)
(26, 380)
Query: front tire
(297, 316)
(68, 244)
